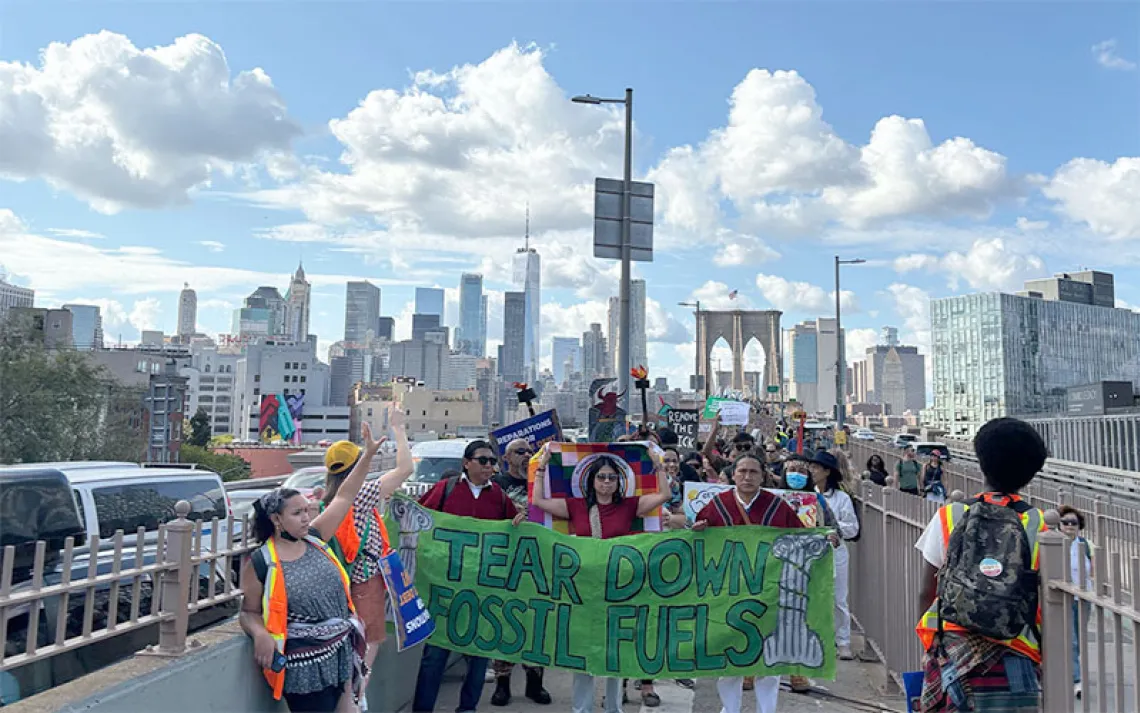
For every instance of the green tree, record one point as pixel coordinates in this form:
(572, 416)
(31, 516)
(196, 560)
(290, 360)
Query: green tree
(199, 429)
(58, 405)
(227, 465)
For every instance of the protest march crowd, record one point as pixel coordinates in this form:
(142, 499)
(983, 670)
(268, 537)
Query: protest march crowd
(636, 562)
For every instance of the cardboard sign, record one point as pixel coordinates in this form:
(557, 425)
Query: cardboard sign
(732, 413)
(414, 624)
(685, 423)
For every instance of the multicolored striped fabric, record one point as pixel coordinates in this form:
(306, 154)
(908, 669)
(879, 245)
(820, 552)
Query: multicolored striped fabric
(565, 478)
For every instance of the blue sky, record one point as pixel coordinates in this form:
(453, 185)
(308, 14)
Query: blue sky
(1024, 164)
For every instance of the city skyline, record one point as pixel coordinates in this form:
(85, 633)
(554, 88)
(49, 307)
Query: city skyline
(965, 199)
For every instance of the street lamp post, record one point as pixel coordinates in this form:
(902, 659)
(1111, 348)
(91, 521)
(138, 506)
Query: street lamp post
(839, 346)
(623, 322)
(697, 349)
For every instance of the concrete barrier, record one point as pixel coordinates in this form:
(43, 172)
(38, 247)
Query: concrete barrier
(217, 676)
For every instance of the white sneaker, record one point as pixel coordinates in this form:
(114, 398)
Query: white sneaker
(363, 703)
(845, 654)
(1077, 690)
(490, 676)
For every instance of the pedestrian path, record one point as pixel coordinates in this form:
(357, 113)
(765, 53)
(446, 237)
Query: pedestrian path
(857, 689)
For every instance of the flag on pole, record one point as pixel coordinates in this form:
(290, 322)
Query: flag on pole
(732, 295)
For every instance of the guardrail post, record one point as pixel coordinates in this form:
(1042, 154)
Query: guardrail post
(1056, 678)
(176, 581)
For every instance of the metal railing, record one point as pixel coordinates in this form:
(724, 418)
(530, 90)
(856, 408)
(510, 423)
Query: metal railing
(58, 609)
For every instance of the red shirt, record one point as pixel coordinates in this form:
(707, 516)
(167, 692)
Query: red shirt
(767, 509)
(617, 520)
(492, 503)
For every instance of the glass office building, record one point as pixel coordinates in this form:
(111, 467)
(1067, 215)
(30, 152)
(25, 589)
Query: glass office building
(1010, 355)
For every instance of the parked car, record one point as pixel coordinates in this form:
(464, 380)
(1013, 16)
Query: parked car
(902, 440)
(864, 434)
(923, 449)
(432, 458)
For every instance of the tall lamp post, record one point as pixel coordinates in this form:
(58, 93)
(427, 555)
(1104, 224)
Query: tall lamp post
(839, 347)
(697, 350)
(624, 336)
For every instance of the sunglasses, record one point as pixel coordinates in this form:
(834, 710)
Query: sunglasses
(606, 477)
(523, 452)
(486, 460)
(1069, 521)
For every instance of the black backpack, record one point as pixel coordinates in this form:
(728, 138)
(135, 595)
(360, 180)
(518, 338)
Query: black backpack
(988, 585)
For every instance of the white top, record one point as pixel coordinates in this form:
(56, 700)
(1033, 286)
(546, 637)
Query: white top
(930, 544)
(843, 509)
(1076, 554)
(747, 505)
(476, 490)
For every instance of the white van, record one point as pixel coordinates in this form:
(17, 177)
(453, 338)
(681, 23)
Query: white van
(432, 458)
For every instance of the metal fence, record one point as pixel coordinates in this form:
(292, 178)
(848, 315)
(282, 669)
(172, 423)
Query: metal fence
(53, 610)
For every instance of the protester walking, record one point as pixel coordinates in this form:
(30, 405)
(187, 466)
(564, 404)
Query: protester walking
(826, 476)
(361, 538)
(1072, 524)
(932, 486)
(876, 470)
(907, 471)
(981, 628)
(472, 494)
(747, 504)
(514, 483)
(297, 605)
(603, 512)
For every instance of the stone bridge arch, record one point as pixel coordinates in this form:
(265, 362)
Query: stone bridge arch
(738, 327)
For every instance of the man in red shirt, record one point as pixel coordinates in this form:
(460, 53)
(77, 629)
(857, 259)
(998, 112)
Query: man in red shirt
(747, 504)
(472, 494)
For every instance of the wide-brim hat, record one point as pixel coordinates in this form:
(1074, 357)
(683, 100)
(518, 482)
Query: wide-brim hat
(828, 461)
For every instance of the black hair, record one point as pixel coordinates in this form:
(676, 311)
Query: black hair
(693, 456)
(1010, 453)
(672, 447)
(745, 456)
(604, 459)
(743, 436)
(667, 436)
(1070, 510)
(688, 474)
(263, 527)
(834, 479)
(872, 458)
(474, 447)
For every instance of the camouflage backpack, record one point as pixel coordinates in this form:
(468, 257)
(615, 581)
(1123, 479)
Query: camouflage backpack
(988, 585)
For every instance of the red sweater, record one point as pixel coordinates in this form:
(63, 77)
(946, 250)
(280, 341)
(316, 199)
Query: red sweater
(617, 520)
(492, 503)
(767, 509)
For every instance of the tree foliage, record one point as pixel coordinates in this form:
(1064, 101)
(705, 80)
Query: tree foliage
(199, 429)
(59, 405)
(227, 465)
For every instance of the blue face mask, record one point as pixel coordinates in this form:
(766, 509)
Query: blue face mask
(796, 481)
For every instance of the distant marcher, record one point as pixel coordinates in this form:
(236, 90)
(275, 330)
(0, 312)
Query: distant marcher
(932, 486)
(828, 481)
(1072, 525)
(876, 470)
(907, 471)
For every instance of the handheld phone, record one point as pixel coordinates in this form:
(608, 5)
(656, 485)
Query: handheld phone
(278, 662)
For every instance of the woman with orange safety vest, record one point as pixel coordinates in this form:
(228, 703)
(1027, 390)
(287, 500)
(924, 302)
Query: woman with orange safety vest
(297, 606)
(362, 538)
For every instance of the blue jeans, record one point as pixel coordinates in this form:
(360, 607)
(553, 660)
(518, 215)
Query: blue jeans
(432, 667)
(1077, 639)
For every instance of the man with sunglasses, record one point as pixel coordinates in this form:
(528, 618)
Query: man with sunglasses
(513, 481)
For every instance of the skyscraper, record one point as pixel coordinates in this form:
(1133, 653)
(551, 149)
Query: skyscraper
(471, 338)
(638, 353)
(263, 313)
(513, 362)
(297, 299)
(565, 350)
(422, 324)
(386, 328)
(13, 296)
(429, 300)
(361, 311)
(86, 326)
(528, 275)
(187, 311)
(595, 358)
(889, 337)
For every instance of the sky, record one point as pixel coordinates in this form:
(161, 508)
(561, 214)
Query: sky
(957, 147)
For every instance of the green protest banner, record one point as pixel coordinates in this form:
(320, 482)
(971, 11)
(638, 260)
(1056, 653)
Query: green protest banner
(680, 604)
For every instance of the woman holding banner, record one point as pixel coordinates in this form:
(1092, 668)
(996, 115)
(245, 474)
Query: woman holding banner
(603, 512)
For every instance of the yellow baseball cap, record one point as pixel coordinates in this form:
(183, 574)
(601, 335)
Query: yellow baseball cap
(341, 456)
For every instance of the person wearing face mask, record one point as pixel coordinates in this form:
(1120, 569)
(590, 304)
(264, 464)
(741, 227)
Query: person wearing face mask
(297, 606)
(747, 504)
(603, 512)
(827, 478)
(472, 494)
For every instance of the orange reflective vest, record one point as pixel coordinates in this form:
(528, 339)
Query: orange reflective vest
(1032, 520)
(275, 604)
(349, 541)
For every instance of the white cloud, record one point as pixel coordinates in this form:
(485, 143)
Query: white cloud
(739, 249)
(1107, 57)
(1028, 225)
(122, 126)
(144, 314)
(856, 342)
(989, 264)
(661, 326)
(212, 245)
(789, 296)
(715, 295)
(77, 233)
(912, 304)
(1104, 196)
